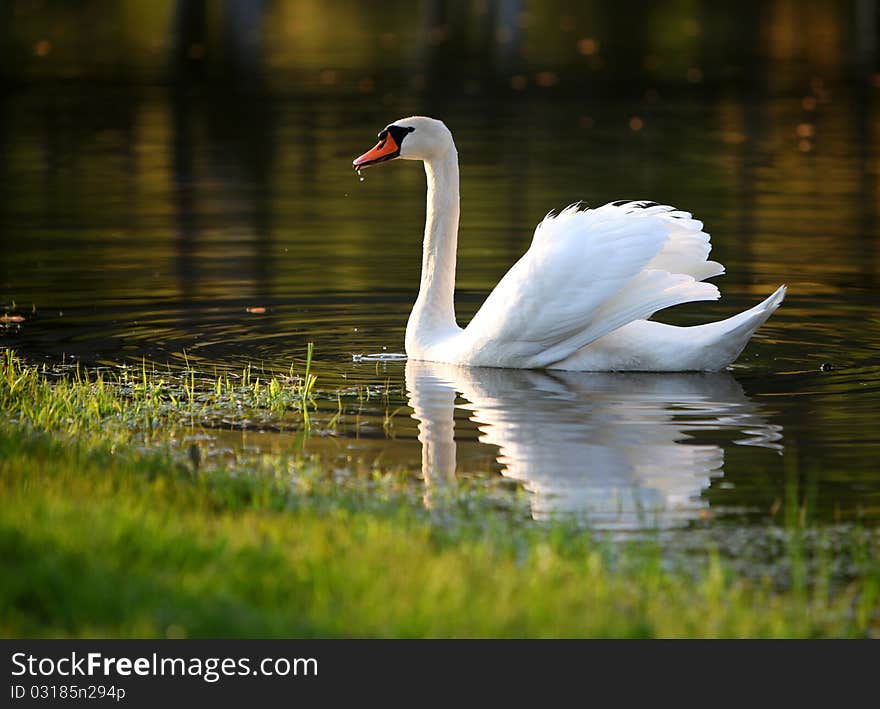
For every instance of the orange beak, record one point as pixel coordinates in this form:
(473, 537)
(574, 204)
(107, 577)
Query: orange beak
(386, 149)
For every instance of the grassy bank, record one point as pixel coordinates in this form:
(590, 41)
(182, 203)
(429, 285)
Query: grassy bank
(109, 528)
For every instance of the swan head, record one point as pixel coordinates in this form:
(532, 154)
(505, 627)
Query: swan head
(414, 138)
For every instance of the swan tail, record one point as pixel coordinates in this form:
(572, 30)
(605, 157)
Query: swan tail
(646, 345)
(750, 320)
(723, 341)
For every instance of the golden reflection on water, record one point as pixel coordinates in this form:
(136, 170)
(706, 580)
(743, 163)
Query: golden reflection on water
(775, 213)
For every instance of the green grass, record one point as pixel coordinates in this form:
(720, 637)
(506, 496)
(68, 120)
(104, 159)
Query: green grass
(137, 400)
(101, 535)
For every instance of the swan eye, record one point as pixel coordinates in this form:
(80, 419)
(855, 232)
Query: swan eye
(397, 132)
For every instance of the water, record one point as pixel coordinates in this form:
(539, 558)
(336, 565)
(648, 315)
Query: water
(148, 220)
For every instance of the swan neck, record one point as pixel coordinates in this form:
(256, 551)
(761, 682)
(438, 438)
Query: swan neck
(435, 308)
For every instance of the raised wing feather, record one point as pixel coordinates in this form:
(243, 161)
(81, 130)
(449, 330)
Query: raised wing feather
(587, 273)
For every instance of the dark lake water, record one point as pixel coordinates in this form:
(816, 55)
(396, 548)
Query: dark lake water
(143, 219)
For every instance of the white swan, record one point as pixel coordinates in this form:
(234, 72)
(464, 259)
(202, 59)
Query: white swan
(579, 298)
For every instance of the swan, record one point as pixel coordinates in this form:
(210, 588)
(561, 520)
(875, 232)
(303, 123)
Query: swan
(580, 297)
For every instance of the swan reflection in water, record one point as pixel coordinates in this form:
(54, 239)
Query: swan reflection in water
(614, 450)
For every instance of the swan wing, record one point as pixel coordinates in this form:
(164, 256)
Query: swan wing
(587, 273)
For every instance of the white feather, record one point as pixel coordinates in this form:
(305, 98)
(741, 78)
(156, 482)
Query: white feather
(587, 273)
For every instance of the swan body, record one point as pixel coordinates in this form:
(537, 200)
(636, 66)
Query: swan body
(581, 296)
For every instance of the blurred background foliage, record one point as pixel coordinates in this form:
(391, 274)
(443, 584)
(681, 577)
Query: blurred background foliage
(377, 47)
